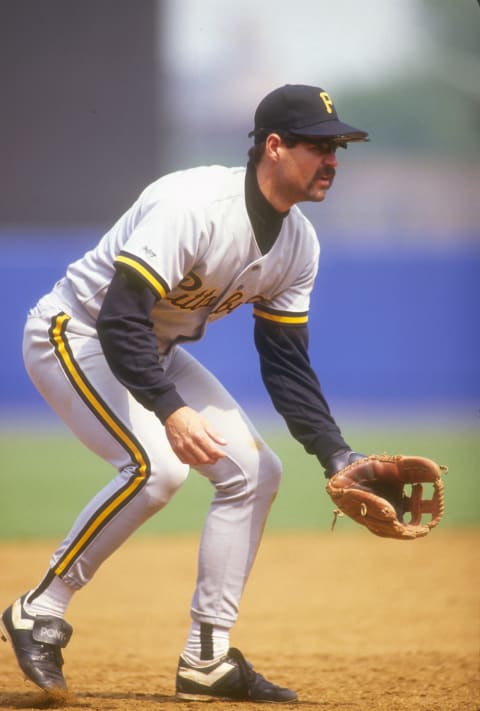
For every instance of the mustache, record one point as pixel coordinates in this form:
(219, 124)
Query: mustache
(327, 172)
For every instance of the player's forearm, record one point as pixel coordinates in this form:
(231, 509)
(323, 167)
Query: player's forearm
(306, 416)
(295, 390)
(130, 346)
(140, 373)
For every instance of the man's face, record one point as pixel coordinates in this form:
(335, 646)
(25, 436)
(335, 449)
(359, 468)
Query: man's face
(306, 171)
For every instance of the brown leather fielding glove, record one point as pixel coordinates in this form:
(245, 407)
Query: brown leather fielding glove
(372, 492)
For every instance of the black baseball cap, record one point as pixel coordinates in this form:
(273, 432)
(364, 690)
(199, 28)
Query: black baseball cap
(302, 111)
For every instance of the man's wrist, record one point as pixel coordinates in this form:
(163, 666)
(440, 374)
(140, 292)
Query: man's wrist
(168, 403)
(340, 459)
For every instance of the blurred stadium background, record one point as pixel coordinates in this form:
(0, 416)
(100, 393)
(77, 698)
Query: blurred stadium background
(100, 97)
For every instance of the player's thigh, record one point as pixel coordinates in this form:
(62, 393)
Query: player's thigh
(246, 450)
(70, 371)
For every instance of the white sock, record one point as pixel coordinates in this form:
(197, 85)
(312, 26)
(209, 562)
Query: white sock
(205, 644)
(52, 601)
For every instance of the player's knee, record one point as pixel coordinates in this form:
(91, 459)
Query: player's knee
(263, 480)
(270, 473)
(164, 480)
(255, 475)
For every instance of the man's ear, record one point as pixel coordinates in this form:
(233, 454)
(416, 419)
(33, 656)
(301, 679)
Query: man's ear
(273, 144)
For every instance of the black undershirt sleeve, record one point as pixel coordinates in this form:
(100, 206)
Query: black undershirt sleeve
(130, 345)
(294, 387)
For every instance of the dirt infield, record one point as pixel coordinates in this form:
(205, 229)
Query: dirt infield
(348, 620)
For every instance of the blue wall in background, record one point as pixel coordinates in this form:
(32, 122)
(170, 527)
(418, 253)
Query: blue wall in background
(386, 324)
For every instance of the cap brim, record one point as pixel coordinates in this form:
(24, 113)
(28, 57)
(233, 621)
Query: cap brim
(331, 129)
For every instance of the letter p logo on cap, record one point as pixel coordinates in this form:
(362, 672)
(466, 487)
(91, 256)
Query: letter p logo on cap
(327, 101)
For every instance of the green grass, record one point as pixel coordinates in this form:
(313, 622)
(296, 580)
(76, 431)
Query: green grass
(47, 478)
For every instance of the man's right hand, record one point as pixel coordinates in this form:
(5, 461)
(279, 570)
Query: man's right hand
(192, 438)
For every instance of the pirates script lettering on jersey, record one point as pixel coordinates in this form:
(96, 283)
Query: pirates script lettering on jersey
(207, 297)
(194, 298)
(197, 297)
(232, 302)
(191, 282)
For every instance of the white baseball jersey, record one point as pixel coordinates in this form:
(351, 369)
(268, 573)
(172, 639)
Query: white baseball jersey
(190, 237)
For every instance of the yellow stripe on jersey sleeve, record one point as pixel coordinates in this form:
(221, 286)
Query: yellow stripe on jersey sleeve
(159, 287)
(281, 316)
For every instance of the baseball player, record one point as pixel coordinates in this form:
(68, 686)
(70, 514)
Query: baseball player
(104, 349)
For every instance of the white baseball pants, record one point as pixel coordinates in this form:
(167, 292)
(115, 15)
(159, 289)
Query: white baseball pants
(64, 359)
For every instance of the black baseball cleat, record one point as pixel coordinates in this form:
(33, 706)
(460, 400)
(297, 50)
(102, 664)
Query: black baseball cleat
(37, 642)
(230, 678)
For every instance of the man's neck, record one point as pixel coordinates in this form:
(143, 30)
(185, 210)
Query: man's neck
(265, 219)
(269, 190)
